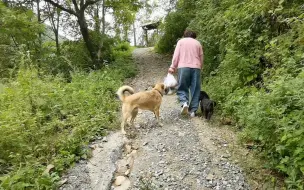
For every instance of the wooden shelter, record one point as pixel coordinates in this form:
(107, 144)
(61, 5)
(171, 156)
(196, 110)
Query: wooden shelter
(150, 26)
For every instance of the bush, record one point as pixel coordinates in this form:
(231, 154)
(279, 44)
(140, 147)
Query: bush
(45, 120)
(254, 69)
(175, 25)
(19, 29)
(257, 75)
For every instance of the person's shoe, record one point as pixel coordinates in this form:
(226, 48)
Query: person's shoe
(185, 109)
(192, 114)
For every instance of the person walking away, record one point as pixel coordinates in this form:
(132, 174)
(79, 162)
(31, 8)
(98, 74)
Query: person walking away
(188, 60)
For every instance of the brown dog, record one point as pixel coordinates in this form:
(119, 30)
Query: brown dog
(147, 100)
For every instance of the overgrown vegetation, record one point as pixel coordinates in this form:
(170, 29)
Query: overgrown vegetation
(45, 120)
(52, 103)
(174, 26)
(254, 64)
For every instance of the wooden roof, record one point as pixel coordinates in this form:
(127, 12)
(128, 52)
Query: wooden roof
(151, 26)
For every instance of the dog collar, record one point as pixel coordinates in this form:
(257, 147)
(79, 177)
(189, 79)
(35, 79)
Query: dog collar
(158, 92)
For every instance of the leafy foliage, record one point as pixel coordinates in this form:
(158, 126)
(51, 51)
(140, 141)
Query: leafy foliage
(46, 120)
(174, 26)
(254, 69)
(16, 28)
(52, 103)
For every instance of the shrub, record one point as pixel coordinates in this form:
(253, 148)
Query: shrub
(254, 68)
(45, 120)
(258, 75)
(175, 25)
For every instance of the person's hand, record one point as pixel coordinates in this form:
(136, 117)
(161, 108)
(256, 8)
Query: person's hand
(171, 70)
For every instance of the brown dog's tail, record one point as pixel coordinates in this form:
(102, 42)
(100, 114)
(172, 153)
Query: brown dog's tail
(120, 92)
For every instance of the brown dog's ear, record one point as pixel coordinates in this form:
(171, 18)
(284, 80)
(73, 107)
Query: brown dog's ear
(163, 86)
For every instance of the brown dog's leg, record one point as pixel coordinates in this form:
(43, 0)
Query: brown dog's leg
(123, 127)
(134, 114)
(125, 116)
(156, 112)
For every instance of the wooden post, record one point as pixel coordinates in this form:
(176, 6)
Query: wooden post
(147, 42)
(134, 32)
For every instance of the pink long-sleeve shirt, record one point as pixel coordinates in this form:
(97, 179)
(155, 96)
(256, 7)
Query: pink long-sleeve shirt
(188, 53)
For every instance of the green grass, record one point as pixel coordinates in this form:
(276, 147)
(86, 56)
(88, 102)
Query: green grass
(44, 120)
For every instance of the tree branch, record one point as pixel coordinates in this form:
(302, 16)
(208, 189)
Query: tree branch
(61, 7)
(75, 5)
(16, 44)
(49, 37)
(90, 2)
(51, 15)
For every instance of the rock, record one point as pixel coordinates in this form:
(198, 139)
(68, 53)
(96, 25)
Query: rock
(226, 156)
(158, 173)
(135, 146)
(73, 178)
(180, 134)
(145, 143)
(210, 177)
(104, 139)
(61, 182)
(133, 153)
(127, 172)
(161, 162)
(124, 186)
(122, 166)
(130, 162)
(128, 148)
(119, 180)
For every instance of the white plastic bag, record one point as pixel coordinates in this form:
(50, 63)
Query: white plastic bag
(170, 81)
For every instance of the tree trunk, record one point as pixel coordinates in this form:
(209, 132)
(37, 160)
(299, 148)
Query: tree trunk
(39, 20)
(126, 34)
(86, 37)
(57, 42)
(79, 12)
(54, 25)
(57, 33)
(97, 19)
(134, 33)
(103, 17)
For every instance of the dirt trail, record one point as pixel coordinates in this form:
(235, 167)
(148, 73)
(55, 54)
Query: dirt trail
(183, 154)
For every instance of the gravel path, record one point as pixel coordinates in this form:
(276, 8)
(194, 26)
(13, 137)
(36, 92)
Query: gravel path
(183, 154)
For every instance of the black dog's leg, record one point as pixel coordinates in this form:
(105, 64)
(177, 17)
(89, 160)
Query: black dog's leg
(202, 108)
(209, 115)
(206, 114)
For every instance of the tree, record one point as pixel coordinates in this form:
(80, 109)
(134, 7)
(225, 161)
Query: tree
(78, 11)
(19, 30)
(53, 14)
(124, 12)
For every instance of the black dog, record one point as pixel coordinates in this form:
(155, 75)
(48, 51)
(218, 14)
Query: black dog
(207, 105)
